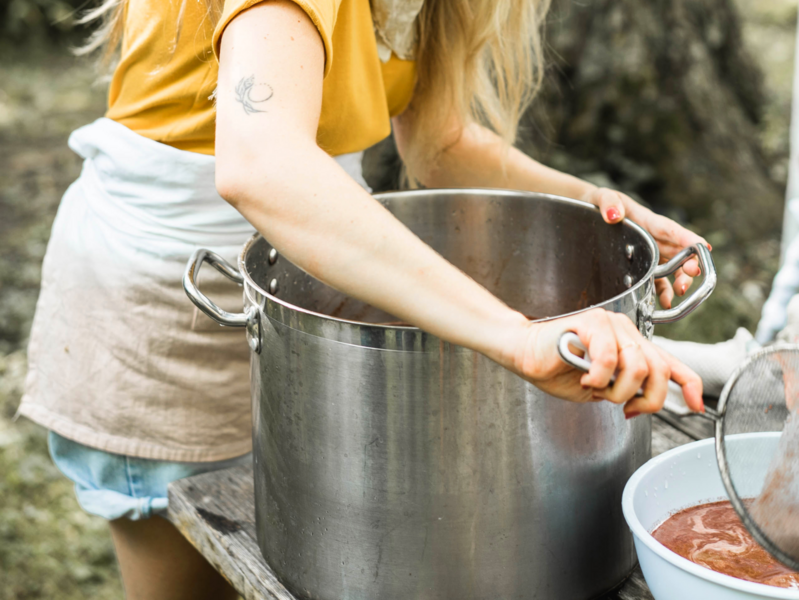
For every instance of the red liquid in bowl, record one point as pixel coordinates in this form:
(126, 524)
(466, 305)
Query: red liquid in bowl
(712, 535)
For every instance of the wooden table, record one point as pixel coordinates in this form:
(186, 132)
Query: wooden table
(216, 513)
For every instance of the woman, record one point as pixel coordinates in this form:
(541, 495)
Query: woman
(138, 389)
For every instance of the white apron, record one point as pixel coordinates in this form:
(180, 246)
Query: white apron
(119, 358)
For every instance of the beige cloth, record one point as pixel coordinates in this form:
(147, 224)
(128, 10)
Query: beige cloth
(394, 27)
(119, 358)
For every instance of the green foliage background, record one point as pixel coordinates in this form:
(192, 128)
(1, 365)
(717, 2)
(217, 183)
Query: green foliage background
(29, 20)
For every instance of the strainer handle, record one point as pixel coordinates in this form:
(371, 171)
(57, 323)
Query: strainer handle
(675, 402)
(692, 302)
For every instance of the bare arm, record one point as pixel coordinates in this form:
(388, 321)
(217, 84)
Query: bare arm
(270, 168)
(476, 157)
(488, 166)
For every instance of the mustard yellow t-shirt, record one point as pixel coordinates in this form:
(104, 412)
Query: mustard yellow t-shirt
(162, 86)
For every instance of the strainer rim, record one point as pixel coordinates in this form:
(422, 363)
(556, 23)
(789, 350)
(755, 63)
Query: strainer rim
(721, 455)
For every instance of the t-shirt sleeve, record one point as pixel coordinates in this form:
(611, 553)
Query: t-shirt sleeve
(323, 13)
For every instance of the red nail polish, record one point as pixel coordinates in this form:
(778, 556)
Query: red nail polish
(613, 214)
(631, 415)
(585, 387)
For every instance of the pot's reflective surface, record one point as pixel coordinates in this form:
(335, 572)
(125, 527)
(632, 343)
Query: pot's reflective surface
(392, 466)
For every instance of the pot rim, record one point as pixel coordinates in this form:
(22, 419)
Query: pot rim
(650, 241)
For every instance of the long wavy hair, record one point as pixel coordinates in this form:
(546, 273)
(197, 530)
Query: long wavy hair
(478, 61)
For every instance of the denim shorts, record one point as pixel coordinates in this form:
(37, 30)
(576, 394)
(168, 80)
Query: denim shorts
(114, 486)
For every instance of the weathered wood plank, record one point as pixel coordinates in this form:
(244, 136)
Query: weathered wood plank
(216, 513)
(634, 588)
(665, 437)
(698, 428)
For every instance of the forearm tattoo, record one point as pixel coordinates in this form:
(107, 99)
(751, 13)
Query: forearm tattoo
(249, 93)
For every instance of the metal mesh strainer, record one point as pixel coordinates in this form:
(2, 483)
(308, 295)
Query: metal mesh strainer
(761, 396)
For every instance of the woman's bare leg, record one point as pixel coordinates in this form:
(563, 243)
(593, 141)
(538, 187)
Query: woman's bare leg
(157, 563)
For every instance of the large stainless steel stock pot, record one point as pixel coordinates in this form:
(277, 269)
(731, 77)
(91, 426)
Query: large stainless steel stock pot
(390, 465)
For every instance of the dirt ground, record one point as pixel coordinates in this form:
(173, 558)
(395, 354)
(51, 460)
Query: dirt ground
(48, 547)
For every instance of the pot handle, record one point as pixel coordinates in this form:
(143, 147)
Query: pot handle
(692, 302)
(202, 301)
(675, 402)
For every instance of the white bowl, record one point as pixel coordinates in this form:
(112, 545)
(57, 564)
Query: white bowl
(683, 477)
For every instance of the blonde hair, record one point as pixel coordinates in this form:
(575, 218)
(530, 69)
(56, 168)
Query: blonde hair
(478, 61)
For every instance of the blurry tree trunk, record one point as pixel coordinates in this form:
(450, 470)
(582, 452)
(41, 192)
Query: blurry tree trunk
(657, 98)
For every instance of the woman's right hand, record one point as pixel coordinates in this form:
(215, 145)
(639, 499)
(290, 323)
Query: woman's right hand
(616, 347)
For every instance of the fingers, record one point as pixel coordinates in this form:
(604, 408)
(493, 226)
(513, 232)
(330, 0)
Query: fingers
(633, 368)
(653, 377)
(691, 268)
(655, 388)
(662, 367)
(640, 369)
(681, 282)
(689, 381)
(596, 332)
(610, 203)
(664, 291)
(671, 236)
(683, 278)
(668, 232)
(617, 349)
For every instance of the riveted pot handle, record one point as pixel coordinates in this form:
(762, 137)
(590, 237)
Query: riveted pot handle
(692, 302)
(202, 301)
(249, 319)
(675, 402)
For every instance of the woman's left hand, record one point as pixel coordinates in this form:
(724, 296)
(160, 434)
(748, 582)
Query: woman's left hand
(670, 237)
